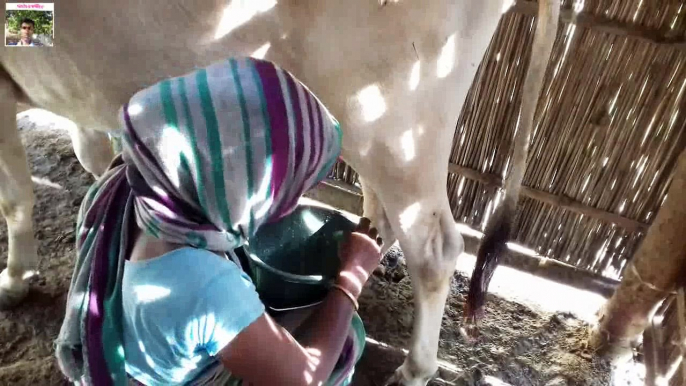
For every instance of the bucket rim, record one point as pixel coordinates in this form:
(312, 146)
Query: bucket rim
(287, 276)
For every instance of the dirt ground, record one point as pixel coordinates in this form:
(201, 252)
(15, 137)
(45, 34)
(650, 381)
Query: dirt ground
(518, 345)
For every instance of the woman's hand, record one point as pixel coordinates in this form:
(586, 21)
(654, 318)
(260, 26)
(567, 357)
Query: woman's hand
(360, 254)
(311, 359)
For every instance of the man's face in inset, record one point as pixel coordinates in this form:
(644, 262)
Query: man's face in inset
(26, 30)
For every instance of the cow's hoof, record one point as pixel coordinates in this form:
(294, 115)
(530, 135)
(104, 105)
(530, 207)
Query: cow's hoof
(398, 379)
(12, 291)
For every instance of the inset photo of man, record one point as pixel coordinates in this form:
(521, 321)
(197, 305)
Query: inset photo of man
(29, 24)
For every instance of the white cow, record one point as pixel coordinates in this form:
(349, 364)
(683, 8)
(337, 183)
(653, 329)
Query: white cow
(396, 76)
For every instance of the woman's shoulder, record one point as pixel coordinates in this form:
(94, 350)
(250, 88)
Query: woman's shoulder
(195, 254)
(185, 264)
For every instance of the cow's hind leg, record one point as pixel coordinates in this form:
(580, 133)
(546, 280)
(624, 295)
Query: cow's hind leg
(16, 201)
(431, 245)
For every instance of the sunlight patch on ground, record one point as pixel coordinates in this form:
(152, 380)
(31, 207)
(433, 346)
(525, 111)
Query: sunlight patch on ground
(385, 345)
(493, 381)
(630, 373)
(537, 292)
(42, 119)
(46, 182)
(546, 295)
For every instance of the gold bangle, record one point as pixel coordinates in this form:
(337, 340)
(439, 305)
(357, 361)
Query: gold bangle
(350, 296)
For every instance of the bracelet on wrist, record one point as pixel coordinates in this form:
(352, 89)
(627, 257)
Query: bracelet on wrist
(349, 295)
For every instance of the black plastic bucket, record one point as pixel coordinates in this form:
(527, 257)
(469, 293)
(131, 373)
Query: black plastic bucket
(293, 262)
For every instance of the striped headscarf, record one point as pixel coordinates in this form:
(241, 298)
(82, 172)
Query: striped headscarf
(207, 158)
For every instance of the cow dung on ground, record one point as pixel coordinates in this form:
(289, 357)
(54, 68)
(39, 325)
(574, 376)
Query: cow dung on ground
(518, 345)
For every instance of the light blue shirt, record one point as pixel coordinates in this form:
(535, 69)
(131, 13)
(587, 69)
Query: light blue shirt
(180, 310)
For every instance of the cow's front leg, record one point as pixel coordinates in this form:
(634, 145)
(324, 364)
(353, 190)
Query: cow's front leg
(16, 202)
(431, 245)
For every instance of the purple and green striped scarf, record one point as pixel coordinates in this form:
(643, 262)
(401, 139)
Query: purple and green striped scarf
(207, 158)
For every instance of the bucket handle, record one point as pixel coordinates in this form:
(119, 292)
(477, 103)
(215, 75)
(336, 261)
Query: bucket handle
(289, 277)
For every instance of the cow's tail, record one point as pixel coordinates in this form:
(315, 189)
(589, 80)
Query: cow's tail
(493, 245)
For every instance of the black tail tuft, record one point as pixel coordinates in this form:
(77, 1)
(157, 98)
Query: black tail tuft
(493, 246)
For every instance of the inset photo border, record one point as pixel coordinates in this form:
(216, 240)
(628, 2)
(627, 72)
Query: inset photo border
(29, 24)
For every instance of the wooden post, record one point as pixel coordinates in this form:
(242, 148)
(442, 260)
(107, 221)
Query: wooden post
(653, 357)
(681, 317)
(652, 274)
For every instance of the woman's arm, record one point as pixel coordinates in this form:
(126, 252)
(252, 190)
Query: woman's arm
(265, 353)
